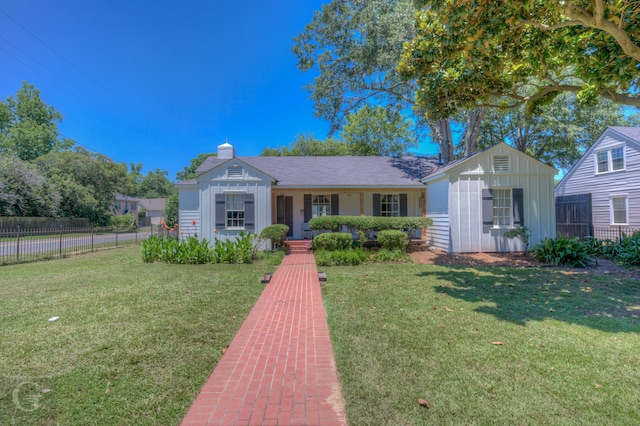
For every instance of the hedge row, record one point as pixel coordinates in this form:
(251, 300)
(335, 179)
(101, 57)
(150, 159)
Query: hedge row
(369, 223)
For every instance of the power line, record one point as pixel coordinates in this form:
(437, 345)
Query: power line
(60, 56)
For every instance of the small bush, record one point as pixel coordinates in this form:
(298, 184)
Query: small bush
(351, 257)
(385, 255)
(124, 221)
(522, 233)
(393, 240)
(276, 233)
(333, 241)
(562, 251)
(369, 223)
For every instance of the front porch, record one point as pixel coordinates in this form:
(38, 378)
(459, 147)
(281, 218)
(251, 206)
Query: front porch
(295, 207)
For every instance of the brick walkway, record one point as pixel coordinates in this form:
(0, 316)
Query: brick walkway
(279, 368)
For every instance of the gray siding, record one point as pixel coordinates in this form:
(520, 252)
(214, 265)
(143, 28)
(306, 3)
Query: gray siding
(582, 178)
(189, 202)
(438, 210)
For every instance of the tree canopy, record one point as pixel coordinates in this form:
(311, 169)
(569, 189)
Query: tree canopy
(189, 172)
(87, 182)
(559, 133)
(506, 54)
(376, 130)
(305, 144)
(28, 126)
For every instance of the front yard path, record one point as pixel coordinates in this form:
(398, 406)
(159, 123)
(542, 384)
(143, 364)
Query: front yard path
(279, 368)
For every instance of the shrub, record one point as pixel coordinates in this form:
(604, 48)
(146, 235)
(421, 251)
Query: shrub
(333, 241)
(385, 255)
(393, 240)
(275, 233)
(124, 221)
(192, 250)
(351, 257)
(562, 251)
(522, 233)
(369, 223)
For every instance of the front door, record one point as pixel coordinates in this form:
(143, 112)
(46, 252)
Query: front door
(284, 212)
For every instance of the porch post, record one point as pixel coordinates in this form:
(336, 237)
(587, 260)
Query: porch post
(362, 204)
(274, 207)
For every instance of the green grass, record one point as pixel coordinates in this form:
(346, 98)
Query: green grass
(134, 343)
(570, 352)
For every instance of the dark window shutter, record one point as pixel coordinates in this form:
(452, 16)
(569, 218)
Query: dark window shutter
(403, 205)
(376, 204)
(307, 207)
(249, 211)
(335, 205)
(518, 207)
(487, 209)
(220, 211)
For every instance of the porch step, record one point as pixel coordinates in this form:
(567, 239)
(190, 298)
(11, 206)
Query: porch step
(299, 246)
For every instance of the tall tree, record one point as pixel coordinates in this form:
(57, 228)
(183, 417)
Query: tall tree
(87, 182)
(525, 52)
(154, 185)
(559, 133)
(306, 144)
(376, 130)
(28, 126)
(24, 191)
(355, 45)
(189, 172)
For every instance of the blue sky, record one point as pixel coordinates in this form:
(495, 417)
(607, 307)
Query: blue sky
(160, 82)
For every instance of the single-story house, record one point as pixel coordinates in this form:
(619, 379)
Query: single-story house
(473, 201)
(600, 195)
(154, 208)
(232, 194)
(125, 204)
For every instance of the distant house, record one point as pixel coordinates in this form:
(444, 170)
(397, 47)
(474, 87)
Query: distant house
(154, 209)
(232, 194)
(125, 204)
(600, 195)
(475, 200)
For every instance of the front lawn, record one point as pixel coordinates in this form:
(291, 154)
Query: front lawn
(485, 345)
(134, 344)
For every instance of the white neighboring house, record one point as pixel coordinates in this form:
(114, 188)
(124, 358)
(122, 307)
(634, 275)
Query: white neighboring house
(474, 200)
(600, 195)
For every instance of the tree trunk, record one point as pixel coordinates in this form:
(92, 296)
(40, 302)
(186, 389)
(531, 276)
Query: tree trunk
(474, 119)
(441, 131)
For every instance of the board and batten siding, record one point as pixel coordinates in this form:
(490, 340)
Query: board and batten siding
(217, 181)
(582, 179)
(189, 210)
(437, 194)
(466, 182)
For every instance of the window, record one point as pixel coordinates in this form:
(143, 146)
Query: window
(610, 160)
(389, 205)
(117, 205)
(133, 206)
(234, 207)
(234, 172)
(502, 208)
(501, 163)
(321, 206)
(617, 158)
(619, 210)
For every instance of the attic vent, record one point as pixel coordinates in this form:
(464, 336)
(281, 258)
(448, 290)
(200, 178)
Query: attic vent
(501, 163)
(234, 172)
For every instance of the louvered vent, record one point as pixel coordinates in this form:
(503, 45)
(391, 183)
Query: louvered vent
(234, 172)
(501, 163)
